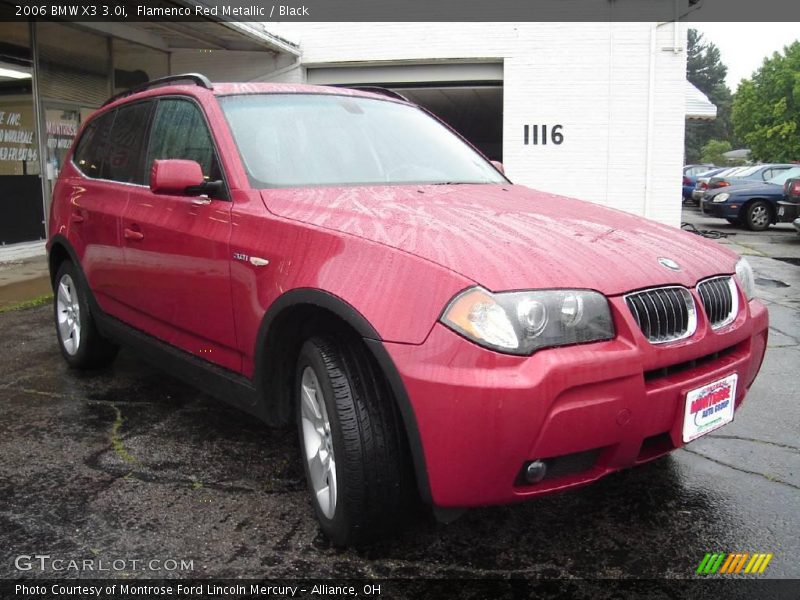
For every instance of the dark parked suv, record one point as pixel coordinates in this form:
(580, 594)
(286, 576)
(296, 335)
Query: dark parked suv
(343, 261)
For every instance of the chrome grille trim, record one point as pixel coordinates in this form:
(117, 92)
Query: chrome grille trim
(664, 314)
(720, 300)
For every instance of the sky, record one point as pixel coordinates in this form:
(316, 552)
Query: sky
(743, 46)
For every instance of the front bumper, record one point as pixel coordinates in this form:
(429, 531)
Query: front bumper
(592, 409)
(788, 211)
(723, 210)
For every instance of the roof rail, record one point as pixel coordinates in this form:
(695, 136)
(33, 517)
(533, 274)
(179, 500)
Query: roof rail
(195, 78)
(378, 90)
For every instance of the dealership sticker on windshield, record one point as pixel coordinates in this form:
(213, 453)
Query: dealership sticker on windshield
(709, 408)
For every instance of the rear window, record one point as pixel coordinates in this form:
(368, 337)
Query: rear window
(729, 172)
(91, 153)
(112, 145)
(747, 172)
(691, 171)
(126, 147)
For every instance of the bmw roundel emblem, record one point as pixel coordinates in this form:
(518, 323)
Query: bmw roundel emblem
(669, 264)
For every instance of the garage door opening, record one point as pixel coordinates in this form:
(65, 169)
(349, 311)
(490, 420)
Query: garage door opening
(468, 97)
(476, 112)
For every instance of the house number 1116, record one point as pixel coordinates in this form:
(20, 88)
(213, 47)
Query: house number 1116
(538, 134)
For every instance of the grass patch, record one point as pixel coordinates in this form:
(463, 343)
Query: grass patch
(32, 303)
(116, 442)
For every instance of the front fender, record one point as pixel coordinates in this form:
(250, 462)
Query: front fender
(277, 396)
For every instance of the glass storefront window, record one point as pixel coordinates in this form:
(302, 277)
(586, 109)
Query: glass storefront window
(74, 80)
(20, 183)
(78, 67)
(62, 126)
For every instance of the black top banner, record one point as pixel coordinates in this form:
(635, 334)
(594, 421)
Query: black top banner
(401, 10)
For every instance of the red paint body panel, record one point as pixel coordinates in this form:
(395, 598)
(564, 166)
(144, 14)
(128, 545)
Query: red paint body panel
(177, 278)
(88, 214)
(509, 237)
(401, 295)
(482, 415)
(202, 278)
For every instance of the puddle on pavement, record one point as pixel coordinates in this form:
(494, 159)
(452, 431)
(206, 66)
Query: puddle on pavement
(771, 283)
(789, 259)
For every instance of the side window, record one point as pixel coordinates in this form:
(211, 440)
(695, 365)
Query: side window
(91, 153)
(774, 172)
(126, 144)
(179, 131)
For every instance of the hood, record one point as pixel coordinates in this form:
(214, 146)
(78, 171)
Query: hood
(508, 237)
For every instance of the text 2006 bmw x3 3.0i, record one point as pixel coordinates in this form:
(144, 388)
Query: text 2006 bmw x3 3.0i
(341, 259)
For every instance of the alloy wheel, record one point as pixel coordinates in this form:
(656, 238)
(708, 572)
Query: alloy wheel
(759, 216)
(318, 442)
(68, 313)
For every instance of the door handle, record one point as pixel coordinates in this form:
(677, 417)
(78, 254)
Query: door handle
(132, 235)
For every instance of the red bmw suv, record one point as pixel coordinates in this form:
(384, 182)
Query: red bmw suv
(343, 260)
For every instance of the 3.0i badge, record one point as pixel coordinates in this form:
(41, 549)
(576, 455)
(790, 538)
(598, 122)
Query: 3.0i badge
(256, 261)
(669, 264)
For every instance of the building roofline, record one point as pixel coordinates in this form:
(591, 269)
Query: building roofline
(262, 36)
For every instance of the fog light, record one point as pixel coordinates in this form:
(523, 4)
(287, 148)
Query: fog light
(535, 471)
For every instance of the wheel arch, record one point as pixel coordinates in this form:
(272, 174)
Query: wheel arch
(60, 250)
(770, 207)
(287, 322)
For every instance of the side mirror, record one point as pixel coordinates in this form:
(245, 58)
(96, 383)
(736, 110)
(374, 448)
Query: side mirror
(176, 177)
(499, 166)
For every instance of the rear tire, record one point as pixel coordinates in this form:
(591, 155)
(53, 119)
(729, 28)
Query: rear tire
(80, 342)
(758, 216)
(352, 442)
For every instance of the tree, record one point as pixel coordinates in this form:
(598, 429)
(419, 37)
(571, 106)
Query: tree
(766, 109)
(714, 151)
(705, 70)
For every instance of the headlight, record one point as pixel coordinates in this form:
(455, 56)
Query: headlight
(744, 275)
(523, 322)
(721, 197)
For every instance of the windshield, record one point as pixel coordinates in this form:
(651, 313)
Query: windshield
(291, 140)
(781, 177)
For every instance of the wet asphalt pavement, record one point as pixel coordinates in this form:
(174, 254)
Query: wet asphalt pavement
(130, 463)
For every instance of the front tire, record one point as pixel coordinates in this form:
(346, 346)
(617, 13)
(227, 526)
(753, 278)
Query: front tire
(81, 344)
(758, 216)
(354, 451)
